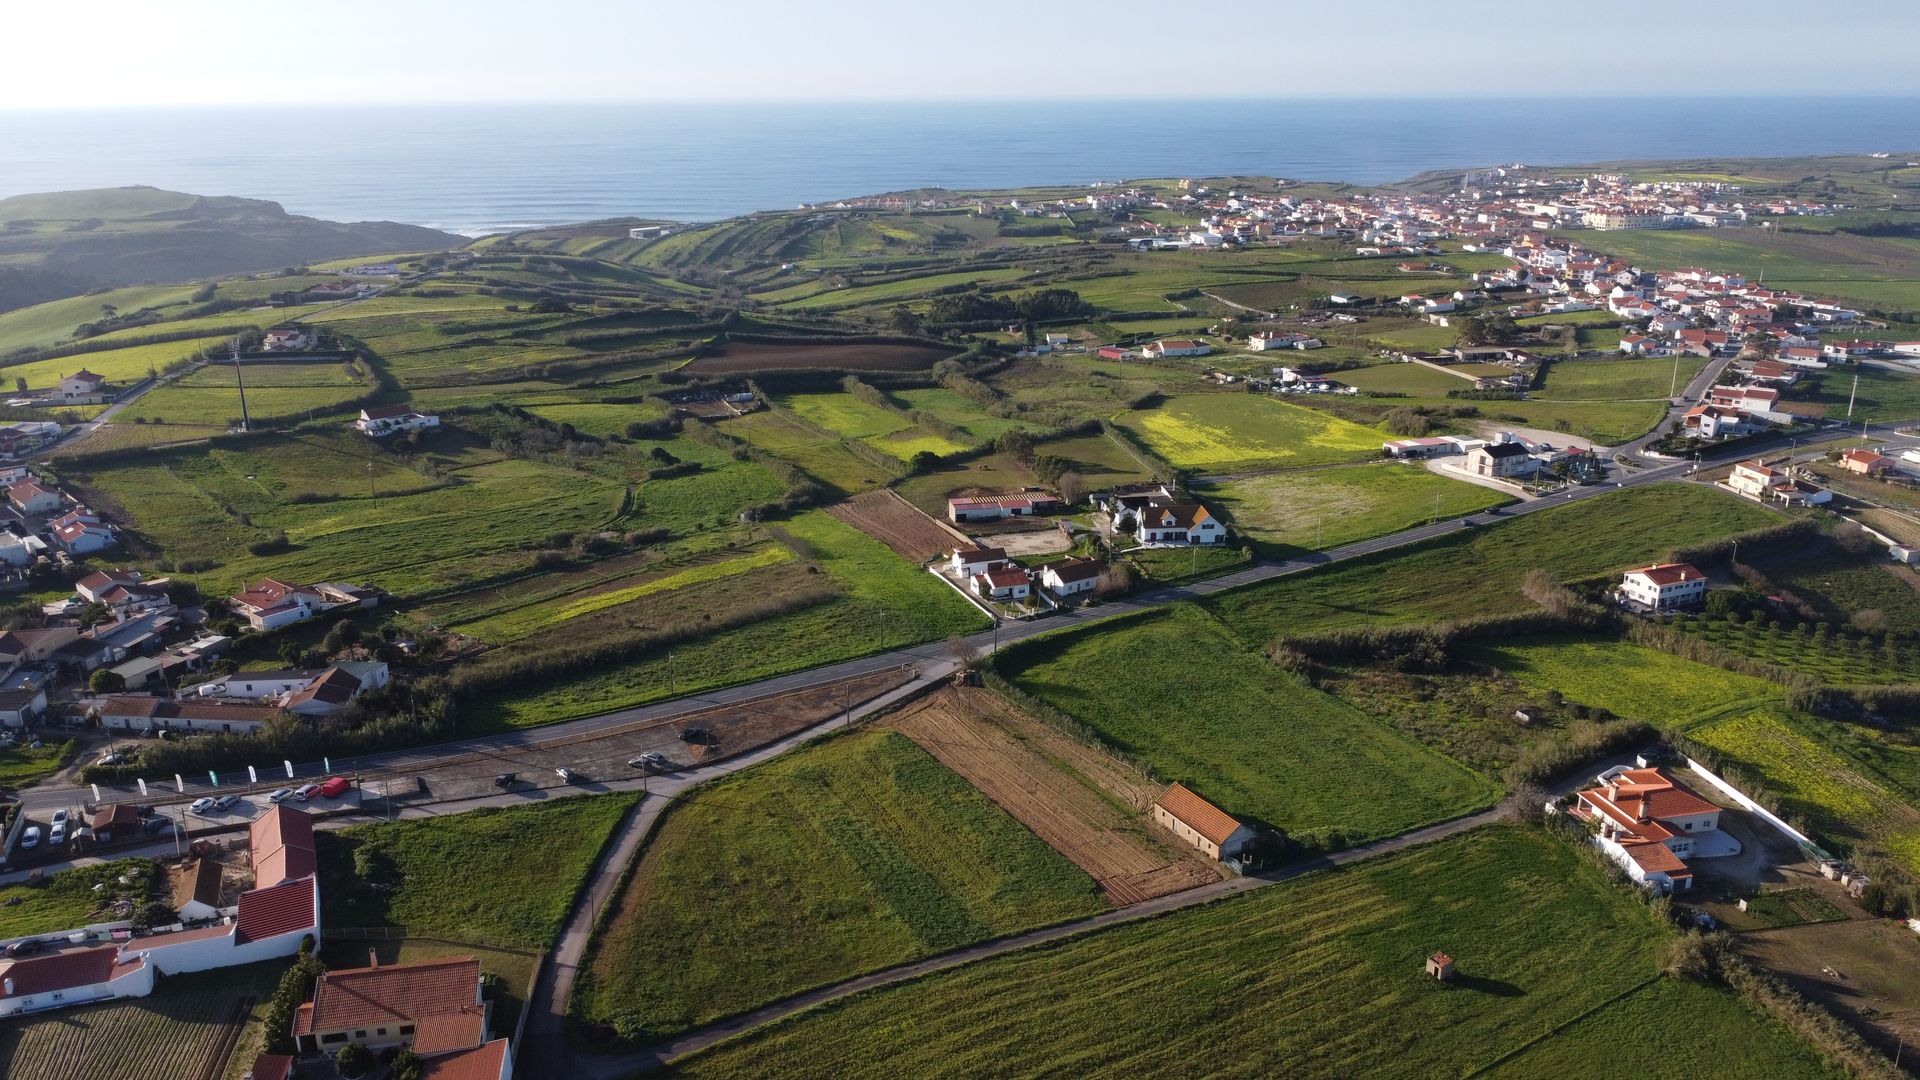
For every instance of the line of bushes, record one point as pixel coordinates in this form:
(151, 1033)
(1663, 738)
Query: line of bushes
(1720, 552)
(1160, 468)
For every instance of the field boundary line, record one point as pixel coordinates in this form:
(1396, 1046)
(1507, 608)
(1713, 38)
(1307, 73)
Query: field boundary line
(1565, 1024)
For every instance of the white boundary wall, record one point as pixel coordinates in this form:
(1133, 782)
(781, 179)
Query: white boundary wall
(1750, 806)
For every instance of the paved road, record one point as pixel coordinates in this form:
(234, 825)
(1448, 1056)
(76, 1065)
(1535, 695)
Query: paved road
(506, 743)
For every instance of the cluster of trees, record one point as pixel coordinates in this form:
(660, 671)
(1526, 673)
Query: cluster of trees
(970, 307)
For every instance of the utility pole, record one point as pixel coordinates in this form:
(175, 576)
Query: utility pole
(246, 421)
(372, 492)
(1851, 393)
(1673, 388)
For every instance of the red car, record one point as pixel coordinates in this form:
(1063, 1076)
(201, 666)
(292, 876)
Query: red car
(335, 786)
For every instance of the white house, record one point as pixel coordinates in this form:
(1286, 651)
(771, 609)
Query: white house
(141, 712)
(30, 496)
(1665, 586)
(83, 387)
(1004, 582)
(1651, 825)
(1179, 523)
(1070, 577)
(393, 419)
(73, 977)
(970, 562)
(1176, 347)
(20, 550)
(1268, 340)
(1752, 479)
(1508, 459)
(1000, 507)
(285, 339)
(1218, 834)
(81, 531)
(24, 706)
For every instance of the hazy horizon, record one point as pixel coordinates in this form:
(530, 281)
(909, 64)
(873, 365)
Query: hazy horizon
(127, 54)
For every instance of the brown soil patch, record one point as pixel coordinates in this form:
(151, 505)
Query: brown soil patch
(1083, 803)
(897, 523)
(757, 356)
(1862, 969)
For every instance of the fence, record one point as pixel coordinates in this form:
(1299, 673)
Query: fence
(1756, 809)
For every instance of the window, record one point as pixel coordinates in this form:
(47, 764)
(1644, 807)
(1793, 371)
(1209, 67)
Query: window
(406, 1029)
(336, 1037)
(380, 1031)
(361, 1034)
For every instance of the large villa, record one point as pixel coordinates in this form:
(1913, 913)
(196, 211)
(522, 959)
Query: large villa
(1652, 825)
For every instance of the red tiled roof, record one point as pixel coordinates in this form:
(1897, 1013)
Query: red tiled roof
(1200, 815)
(336, 687)
(398, 993)
(983, 554)
(481, 1063)
(275, 1067)
(281, 844)
(1669, 573)
(1071, 570)
(1006, 577)
(60, 971)
(266, 913)
(198, 880)
(450, 1031)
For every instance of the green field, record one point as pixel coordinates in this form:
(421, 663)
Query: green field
(1224, 432)
(1256, 741)
(1284, 513)
(883, 602)
(211, 395)
(120, 367)
(1416, 380)
(1319, 977)
(823, 456)
(1809, 780)
(1479, 571)
(544, 614)
(20, 766)
(67, 900)
(1627, 680)
(53, 322)
(1836, 660)
(503, 876)
(853, 854)
(1618, 380)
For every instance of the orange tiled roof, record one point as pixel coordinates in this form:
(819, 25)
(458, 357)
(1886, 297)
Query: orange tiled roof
(1200, 815)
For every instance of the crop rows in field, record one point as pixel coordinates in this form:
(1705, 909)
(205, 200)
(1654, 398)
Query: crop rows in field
(1217, 432)
(897, 523)
(171, 1033)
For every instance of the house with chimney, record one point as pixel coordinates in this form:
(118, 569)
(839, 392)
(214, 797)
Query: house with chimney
(438, 1007)
(382, 421)
(1665, 587)
(1652, 825)
(268, 604)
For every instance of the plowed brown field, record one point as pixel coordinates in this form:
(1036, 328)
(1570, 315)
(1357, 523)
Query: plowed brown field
(1083, 803)
(897, 523)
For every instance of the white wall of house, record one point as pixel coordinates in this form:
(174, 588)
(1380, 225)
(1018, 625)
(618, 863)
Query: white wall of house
(130, 985)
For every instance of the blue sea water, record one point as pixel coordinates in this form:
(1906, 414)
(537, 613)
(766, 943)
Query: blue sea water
(476, 169)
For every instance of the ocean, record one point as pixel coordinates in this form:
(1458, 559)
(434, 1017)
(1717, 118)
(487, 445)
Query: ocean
(482, 169)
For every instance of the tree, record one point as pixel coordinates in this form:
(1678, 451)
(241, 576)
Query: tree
(903, 319)
(1049, 467)
(924, 462)
(20, 383)
(1072, 487)
(1016, 444)
(107, 682)
(1488, 328)
(1407, 423)
(353, 1061)
(94, 613)
(406, 1065)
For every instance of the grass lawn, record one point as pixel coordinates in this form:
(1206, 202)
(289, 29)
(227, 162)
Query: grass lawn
(1246, 735)
(54, 321)
(121, 367)
(825, 457)
(1479, 571)
(1288, 512)
(504, 876)
(66, 900)
(1224, 432)
(1319, 977)
(1792, 907)
(1617, 380)
(1416, 380)
(856, 853)
(842, 414)
(1627, 680)
(19, 765)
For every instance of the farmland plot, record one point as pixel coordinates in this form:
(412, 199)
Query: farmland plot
(1070, 794)
(736, 357)
(1627, 680)
(184, 1029)
(897, 523)
(1223, 432)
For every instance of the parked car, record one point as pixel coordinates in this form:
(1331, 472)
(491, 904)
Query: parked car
(305, 792)
(60, 817)
(280, 794)
(24, 948)
(652, 759)
(695, 734)
(157, 824)
(200, 805)
(111, 759)
(31, 838)
(226, 802)
(58, 836)
(505, 780)
(565, 774)
(335, 786)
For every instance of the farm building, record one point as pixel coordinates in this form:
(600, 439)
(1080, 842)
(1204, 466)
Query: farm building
(1198, 822)
(1070, 577)
(1000, 507)
(143, 712)
(196, 889)
(1650, 824)
(1663, 587)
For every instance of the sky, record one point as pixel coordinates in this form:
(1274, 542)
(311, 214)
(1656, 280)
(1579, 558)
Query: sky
(147, 53)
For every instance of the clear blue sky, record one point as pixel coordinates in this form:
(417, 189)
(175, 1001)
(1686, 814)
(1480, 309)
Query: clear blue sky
(89, 53)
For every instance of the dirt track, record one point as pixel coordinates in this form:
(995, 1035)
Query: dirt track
(897, 523)
(1083, 803)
